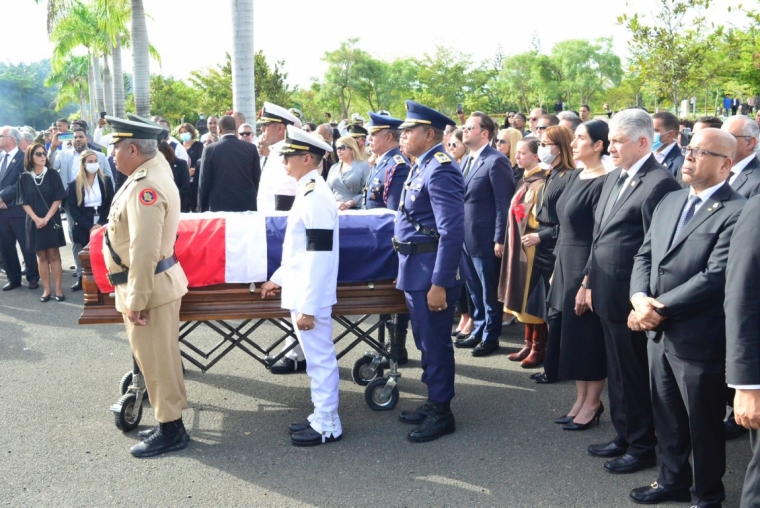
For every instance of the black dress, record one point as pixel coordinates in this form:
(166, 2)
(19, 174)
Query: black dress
(195, 152)
(50, 190)
(582, 352)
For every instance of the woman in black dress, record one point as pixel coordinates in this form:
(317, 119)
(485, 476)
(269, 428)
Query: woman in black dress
(188, 136)
(582, 352)
(555, 151)
(40, 192)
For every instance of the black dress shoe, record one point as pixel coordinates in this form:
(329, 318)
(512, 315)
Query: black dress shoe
(564, 420)
(11, 285)
(468, 342)
(299, 426)
(44, 299)
(733, 429)
(60, 298)
(630, 464)
(34, 285)
(543, 379)
(611, 449)
(416, 416)
(145, 434)
(402, 357)
(438, 422)
(585, 426)
(310, 437)
(77, 286)
(485, 348)
(167, 438)
(655, 494)
(537, 375)
(287, 366)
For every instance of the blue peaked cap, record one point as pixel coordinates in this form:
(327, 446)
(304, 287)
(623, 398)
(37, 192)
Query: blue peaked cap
(417, 114)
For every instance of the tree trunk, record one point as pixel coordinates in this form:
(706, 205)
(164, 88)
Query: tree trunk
(119, 100)
(91, 92)
(243, 90)
(100, 103)
(141, 63)
(82, 103)
(107, 86)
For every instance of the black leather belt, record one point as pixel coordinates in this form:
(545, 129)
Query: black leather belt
(411, 248)
(119, 278)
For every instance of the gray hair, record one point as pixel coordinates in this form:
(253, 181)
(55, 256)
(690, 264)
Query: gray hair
(27, 135)
(566, 114)
(147, 147)
(13, 133)
(635, 123)
(749, 127)
(247, 125)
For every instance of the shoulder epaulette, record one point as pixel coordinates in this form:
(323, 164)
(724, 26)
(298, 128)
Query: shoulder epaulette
(399, 159)
(442, 158)
(309, 187)
(141, 174)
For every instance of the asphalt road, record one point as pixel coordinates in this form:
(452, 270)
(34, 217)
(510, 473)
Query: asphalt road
(60, 446)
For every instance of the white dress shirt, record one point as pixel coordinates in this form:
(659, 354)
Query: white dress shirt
(660, 156)
(739, 167)
(632, 173)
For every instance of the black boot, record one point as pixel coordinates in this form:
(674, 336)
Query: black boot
(168, 438)
(415, 417)
(438, 422)
(401, 352)
(77, 285)
(145, 434)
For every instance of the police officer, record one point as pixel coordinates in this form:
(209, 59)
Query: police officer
(429, 239)
(308, 276)
(359, 133)
(383, 190)
(148, 282)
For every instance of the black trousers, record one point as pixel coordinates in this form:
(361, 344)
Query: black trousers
(628, 388)
(688, 399)
(12, 230)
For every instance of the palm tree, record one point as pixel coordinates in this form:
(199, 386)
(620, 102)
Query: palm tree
(141, 55)
(243, 91)
(72, 80)
(112, 18)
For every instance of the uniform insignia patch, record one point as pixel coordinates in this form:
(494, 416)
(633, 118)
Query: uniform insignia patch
(399, 159)
(442, 158)
(141, 174)
(148, 196)
(309, 187)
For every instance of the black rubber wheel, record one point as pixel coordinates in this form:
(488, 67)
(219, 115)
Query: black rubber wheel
(128, 419)
(125, 382)
(374, 395)
(363, 374)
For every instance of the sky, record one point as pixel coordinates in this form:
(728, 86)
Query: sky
(195, 34)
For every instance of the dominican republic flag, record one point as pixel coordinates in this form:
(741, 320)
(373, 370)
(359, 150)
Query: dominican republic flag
(229, 247)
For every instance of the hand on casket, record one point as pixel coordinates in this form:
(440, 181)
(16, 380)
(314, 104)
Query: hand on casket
(269, 289)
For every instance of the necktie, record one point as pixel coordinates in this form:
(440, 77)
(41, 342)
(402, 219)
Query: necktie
(3, 166)
(687, 215)
(467, 166)
(614, 194)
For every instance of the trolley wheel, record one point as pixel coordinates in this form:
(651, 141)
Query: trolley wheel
(128, 418)
(125, 382)
(363, 374)
(375, 398)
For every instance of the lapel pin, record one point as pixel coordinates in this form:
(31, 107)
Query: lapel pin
(633, 183)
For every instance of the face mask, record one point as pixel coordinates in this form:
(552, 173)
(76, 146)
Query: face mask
(657, 142)
(545, 154)
(202, 117)
(185, 137)
(92, 167)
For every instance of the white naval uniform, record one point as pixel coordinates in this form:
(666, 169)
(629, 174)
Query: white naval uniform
(308, 276)
(274, 179)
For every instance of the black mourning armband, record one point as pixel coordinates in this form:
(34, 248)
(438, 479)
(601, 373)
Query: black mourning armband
(319, 239)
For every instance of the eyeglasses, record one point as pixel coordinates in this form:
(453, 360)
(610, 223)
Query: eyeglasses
(246, 134)
(40, 154)
(697, 152)
(341, 147)
(542, 127)
(546, 144)
(470, 128)
(502, 141)
(452, 145)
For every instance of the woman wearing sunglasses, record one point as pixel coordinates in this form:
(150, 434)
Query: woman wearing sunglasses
(346, 178)
(40, 192)
(506, 143)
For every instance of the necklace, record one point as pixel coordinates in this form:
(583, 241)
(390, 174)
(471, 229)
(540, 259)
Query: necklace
(39, 178)
(592, 170)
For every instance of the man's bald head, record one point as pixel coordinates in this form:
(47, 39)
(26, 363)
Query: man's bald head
(715, 164)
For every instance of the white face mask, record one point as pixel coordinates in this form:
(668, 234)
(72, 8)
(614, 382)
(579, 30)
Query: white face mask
(92, 167)
(545, 154)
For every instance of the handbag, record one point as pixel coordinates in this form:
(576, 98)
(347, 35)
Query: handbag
(57, 226)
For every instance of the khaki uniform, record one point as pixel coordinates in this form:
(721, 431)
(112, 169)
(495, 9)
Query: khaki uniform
(142, 228)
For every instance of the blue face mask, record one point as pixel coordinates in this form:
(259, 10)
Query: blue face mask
(657, 144)
(185, 137)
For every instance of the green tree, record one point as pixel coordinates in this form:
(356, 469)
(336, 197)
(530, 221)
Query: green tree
(586, 68)
(25, 99)
(173, 99)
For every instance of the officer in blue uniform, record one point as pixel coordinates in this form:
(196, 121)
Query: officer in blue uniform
(429, 239)
(383, 190)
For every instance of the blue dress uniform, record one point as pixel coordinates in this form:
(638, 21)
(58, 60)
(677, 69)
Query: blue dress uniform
(429, 238)
(383, 190)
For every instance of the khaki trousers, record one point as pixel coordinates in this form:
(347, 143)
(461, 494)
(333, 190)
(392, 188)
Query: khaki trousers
(156, 349)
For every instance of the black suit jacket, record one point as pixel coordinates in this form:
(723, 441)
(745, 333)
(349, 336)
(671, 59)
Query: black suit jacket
(83, 217)
(229, 176)
(618, 238)
(688, 274)
(748, 182)
(742, 297)
(674, 160)
(489, 186)
(9, 187)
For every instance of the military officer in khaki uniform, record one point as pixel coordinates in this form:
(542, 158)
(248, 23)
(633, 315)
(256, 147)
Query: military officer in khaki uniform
(148, 281)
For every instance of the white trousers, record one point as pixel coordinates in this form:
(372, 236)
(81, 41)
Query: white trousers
(321, 365)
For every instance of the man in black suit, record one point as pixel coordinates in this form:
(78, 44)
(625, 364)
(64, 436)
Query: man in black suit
(230, 173)
(677, 287)
(628, 199)
(735, 103)
(489, 186)
(745, 175)
(665, 148)
(743, 337)
(13, 216)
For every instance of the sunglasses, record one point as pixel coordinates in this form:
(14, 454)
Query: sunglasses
(40, 154)
(341, 147)
(542, 127)
(502, 142)
(452, 145)
(469, 128)
(246, 134)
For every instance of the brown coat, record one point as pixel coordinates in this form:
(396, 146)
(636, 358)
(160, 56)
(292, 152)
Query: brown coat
(514, 279)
